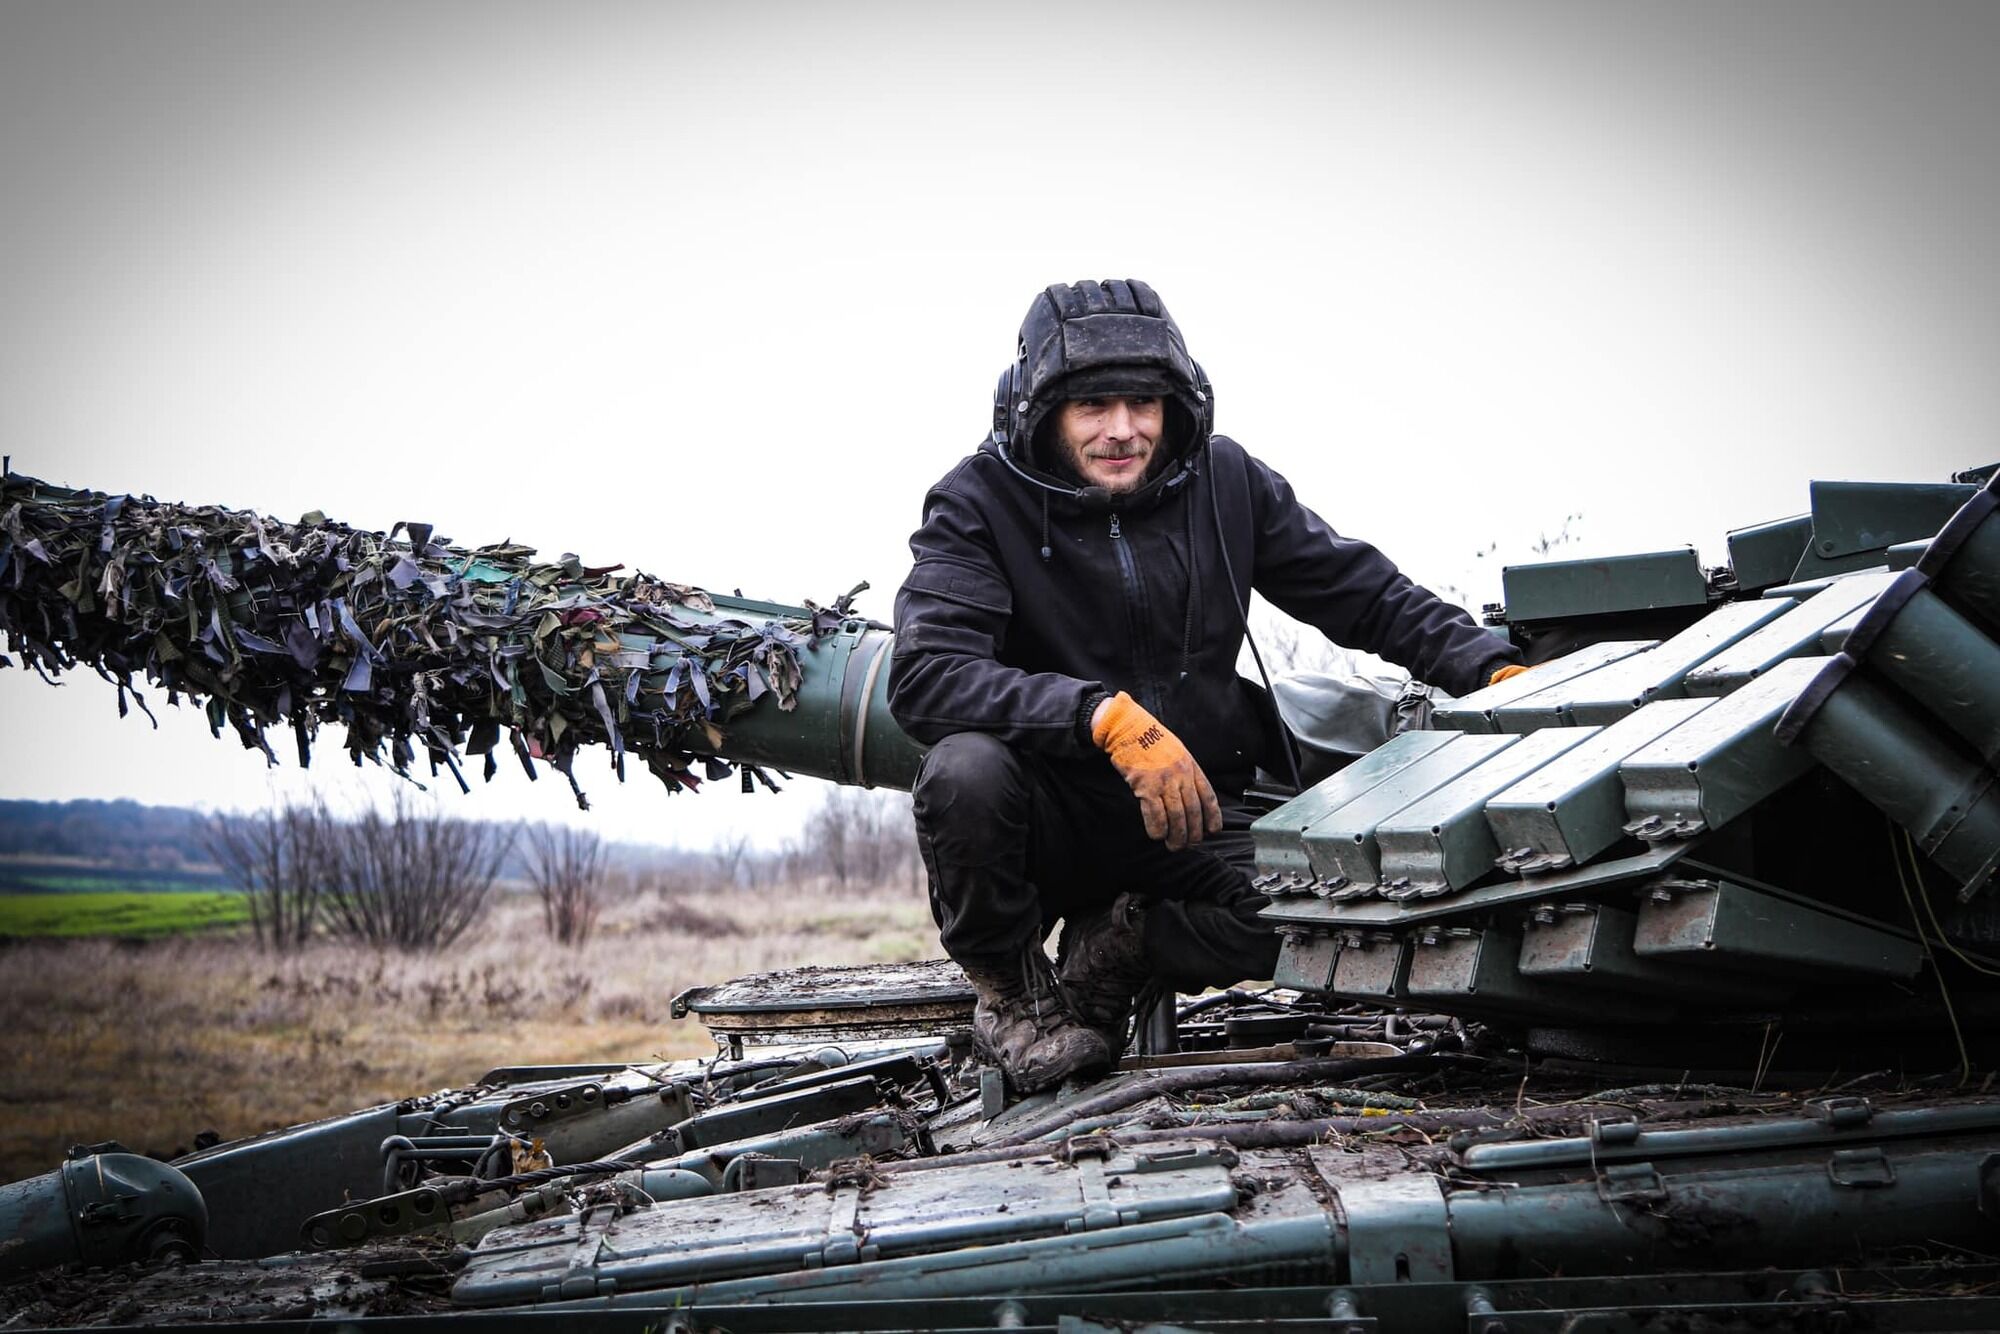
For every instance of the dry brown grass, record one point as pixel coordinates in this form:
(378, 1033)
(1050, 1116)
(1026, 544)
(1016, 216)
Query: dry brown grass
(152, 1043)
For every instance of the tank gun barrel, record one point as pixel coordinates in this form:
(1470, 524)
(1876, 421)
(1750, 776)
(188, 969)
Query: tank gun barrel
(423, 648)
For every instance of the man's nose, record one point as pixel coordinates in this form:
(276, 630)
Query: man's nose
(1118, 420)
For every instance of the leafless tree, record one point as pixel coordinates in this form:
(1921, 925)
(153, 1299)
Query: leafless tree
(564, 866)
(413, 878)
(1289, 645)
(281, 860)
(731, 861)
(858, 837)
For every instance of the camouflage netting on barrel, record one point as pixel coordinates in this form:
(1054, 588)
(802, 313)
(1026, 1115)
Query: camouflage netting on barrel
(414, 645)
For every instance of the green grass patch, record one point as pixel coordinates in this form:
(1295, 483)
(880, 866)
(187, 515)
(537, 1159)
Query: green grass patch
(121, 913)
(31, 876)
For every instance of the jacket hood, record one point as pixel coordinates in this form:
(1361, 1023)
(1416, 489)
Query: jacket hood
(1091, 339)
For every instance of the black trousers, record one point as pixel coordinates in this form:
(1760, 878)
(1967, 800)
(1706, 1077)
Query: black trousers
(1014, 843)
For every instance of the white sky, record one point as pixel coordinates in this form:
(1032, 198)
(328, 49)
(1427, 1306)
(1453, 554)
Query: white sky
(717, 291)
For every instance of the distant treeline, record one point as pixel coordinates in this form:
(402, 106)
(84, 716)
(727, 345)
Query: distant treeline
(850, 837)
(167, 838)
(120, 833)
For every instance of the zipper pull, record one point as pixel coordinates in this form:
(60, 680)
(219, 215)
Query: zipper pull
(1114, 527)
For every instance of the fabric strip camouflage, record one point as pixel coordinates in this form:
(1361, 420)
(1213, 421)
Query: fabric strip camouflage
(414, 645)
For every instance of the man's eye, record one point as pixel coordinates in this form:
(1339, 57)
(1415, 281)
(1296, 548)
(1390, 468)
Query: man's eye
(1145, 400)
(1090, 402)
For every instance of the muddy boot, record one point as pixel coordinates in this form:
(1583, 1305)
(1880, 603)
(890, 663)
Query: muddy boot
(1022, 1025)
(1104, 967)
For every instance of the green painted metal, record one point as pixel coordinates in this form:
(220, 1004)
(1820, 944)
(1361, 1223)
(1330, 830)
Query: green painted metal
(1611, 692)
(1443, 842)
(1560, 589)
(1795, 634)
(767, 1116)
(1834, 638)
(848, 1221)
(1590, 943)
(1206, 1246)
(1905, 555)
(1921, 779)
(1864, 518)
(1478, 970)
(301, 1170)
(1806, 588)
(1476, 712)
(1306, 960)
(1341, 847)
(310, 1168)
(1573, 808)
(1472, 904)
(1913, 640)
(1398, 1230)
(1718, 765)
(1626, 1217)
(1373, 965)
(1929, 1296)
(1833, 1122)
(1734, 926)
(840, 728)
(1277, 837)
(100, 1209)
(816, 1146)
(1765, 554)
(1963, 561)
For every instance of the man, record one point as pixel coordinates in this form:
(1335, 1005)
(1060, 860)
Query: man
(1067, 644)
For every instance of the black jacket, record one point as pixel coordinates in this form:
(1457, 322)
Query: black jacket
(993, 636)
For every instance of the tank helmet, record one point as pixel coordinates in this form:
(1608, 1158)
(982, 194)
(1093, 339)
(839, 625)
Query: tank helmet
(1096, 339)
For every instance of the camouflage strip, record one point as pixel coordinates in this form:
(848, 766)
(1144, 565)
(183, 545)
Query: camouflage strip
(410, 643)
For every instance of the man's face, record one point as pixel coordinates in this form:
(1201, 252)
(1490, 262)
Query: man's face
(1111, 442)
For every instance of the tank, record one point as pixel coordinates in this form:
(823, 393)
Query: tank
(1655, 987)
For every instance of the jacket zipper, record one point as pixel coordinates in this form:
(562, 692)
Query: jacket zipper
(1137, 614)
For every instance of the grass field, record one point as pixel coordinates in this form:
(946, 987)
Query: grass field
(152, 1041)
(35, 875)
(119, 913)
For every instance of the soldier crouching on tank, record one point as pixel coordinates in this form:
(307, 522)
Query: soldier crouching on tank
(1067, 645)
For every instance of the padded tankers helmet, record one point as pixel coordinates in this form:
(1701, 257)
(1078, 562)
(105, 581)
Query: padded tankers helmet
(1092, 339)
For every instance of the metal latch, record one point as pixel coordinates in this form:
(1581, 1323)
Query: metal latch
(1630, 1183)
(1843, 1113)
(1860, 1169)
(846, 1239)
(1615, 1132)
(1077, 1148)
(1659, 828)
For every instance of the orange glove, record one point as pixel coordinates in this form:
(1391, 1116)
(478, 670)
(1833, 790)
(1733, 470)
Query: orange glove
(1508, 672)
(1175, 799)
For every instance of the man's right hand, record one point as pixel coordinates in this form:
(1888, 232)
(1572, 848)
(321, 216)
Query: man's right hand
(1175, 799)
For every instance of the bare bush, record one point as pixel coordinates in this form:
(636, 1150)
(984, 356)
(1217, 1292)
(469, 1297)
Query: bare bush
(564, 866)
(281, 860)
(732, 861)
(414, 879)
(1290, 645)
(687, 921)
(857, 837)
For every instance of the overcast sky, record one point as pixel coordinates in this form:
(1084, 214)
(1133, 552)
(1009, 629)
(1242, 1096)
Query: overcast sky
(717, 290)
